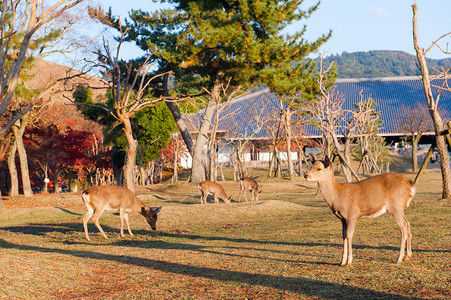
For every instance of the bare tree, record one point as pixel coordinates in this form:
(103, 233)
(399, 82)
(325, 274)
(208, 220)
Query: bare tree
(241, 135)
(286, 115)
(128, 98)
(372, 146)
(273, 125)
(337, 125)
(432, 103)
(20, 20)
(414, 121)
(221, 114)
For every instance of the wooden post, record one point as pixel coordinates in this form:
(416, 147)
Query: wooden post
(425, 162)
(446, 133)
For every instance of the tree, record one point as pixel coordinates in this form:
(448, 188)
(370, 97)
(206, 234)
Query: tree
(414, 121)
(55, 150)
(337, 124)
(240, 135)
(207, 43)
(372, 145)
(154, 129)
(129, 96)
(432, 103)
(173, 153)
(19, 21)
(24, 96)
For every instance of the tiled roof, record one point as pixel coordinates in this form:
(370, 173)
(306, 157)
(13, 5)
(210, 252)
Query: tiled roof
(390, 93)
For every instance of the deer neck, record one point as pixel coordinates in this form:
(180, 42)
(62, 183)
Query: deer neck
(137, 205)
(330, 189)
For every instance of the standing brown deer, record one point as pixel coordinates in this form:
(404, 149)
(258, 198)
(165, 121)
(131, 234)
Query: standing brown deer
(110, 197)
(209, 187)
(249, 184)
(368, 198)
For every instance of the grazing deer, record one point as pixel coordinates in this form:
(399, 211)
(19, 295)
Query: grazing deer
(249, 184)
(368, 198)
(110, 197)
(209, 187)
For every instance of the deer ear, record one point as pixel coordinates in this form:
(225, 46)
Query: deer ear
(327, 161)
(157, 210)
(312, 157)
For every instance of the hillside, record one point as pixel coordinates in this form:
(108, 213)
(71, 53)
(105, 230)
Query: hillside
(380, 64)
(46, 72)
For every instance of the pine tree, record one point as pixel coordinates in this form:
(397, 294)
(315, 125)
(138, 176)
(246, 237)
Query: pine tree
(207, 43)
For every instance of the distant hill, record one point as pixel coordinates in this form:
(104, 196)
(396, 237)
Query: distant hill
(380, 63)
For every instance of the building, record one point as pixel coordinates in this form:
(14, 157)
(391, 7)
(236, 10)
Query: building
(254, 117)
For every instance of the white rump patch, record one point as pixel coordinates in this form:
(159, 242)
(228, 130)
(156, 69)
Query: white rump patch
(412, 193)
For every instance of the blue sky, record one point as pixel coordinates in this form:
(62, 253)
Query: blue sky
(357, 25)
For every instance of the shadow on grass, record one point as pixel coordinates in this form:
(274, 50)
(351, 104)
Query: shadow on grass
(70, 228)
(68, 211)
(304, 286)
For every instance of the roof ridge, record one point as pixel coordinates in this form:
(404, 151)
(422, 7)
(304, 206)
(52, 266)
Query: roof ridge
(392, 78)
(250, 95)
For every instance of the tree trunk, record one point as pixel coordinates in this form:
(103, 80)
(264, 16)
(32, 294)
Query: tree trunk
(152, 171)
(130, 159)
(117, 167)
(55, 182)
(13, 170)
(442, 148)
(198, 167)
(18, 135)
(46, 184)
(175, 174)
(182, 126)
(287, 117)
(300, 159)
(347, 156)
(415, 141)
(178, 118)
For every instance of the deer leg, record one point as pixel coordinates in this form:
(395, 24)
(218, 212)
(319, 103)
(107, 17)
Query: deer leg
(216, 199)
(202, 198)
(124, 216)
(409, 240)
(96, 217)
(121, 215)
(403, 227)
(349, 235)
(241, 192)
(86, 218)
(128, 224)
(344, 258)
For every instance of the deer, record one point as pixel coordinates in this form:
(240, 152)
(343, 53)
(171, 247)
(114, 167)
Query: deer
(369, 198)
(116, 198)
(209, 187)
(249, 184)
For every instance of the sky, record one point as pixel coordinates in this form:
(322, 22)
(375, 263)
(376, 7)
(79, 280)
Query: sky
(357, 25)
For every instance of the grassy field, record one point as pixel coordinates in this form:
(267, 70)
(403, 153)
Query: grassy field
(287, 246)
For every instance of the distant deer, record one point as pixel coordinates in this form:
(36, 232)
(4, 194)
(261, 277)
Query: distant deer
(110, 197)
(368, 198)
(249, 184)
(209, 187)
